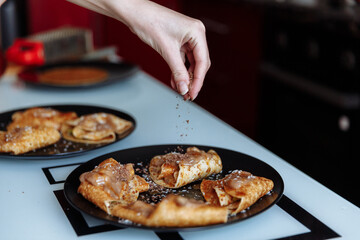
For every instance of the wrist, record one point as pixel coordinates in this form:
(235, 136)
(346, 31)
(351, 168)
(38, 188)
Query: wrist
(126, 11)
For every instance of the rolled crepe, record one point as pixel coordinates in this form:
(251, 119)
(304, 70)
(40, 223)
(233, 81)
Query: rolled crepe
(138, 212)
(95, 128)
(238, 190)
(110, 184)
(177, 211)
(172, 211)
(174, 170)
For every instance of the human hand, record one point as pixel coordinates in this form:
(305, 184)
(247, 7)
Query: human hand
(174, 36)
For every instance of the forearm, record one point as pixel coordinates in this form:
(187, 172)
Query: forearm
(173, 35)
(144, 18)
(122, 10)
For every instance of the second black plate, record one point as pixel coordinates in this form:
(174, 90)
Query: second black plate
(142, 155)
(65, 148)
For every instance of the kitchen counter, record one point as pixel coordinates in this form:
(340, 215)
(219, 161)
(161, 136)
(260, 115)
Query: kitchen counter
(32, 202)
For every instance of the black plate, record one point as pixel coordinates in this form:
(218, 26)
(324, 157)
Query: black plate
(64, 148)
(116, 72)
(231, 160)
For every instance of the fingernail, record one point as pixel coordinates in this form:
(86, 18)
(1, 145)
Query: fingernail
(182, 88)
(192, 99)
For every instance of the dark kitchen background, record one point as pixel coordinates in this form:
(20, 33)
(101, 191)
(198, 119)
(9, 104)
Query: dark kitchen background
(285, 73)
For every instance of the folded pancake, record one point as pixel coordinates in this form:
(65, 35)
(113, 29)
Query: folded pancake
(174, 170)
(24, 139)
(46, 117)
(237, 190)
(112, 183)
(177, 211)
(95, 128)
(138, 212)
(172, 211)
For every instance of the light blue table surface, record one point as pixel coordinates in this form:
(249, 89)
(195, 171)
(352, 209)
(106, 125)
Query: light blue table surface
(29, 209)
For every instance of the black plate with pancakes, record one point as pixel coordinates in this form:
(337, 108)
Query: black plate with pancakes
(64, 148)
(141, 156)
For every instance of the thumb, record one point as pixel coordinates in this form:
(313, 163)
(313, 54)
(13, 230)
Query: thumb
(181, 80)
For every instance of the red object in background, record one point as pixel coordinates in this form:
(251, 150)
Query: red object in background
(46, 15)
(25, 52)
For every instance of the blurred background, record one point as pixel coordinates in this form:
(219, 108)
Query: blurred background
(284, 72)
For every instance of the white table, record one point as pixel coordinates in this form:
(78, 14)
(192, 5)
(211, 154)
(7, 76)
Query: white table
(32, 205)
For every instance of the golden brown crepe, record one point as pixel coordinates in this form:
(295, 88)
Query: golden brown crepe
(138, 212)
(95, 128)
(24, 139)
(174, 170)
(172, 211)
(237, 190)
(115, 189)
(177, 211)
(72, 76)
(112, 183)
(44, 117)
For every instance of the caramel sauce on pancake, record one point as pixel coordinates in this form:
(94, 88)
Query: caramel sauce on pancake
(117, 180)
(237, 190)
(237, 179)
(111, 178)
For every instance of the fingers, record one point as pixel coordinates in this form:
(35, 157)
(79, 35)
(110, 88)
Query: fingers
(200, 71)
(172, 82)
(188, 41)
(199, 64)
(179, 77)
(198, 57)
(173, 85)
